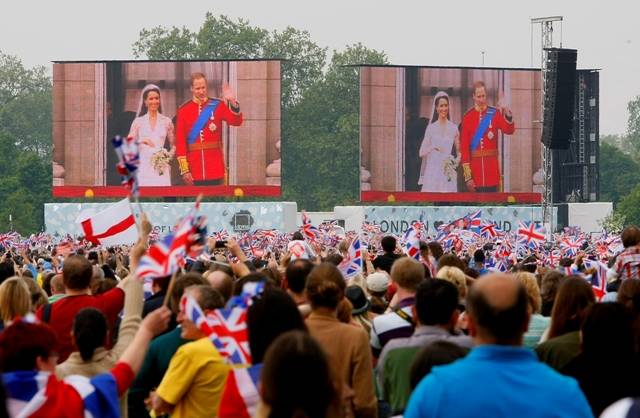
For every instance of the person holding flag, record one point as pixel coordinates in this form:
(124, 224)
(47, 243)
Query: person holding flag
(193, 384)
(28, 358)
(199, 147)
(479, 141)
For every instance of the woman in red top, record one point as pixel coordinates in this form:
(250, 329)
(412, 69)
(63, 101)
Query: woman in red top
(28, 366)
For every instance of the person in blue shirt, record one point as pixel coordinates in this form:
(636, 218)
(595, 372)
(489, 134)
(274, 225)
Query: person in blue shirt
(478, 262)
(499, 378)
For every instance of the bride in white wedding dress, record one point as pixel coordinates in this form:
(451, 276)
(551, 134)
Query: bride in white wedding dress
(438, 172)
(151, 129)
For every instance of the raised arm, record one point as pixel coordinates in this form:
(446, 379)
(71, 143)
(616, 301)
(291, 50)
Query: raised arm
(153, 324)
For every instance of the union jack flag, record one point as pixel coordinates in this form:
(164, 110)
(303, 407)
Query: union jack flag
(449, 241)
(570, 245)
(230, 334)
(352, 263)
(553, 257)
(8, 238)
(602, 249)
(241, 395)
(420, 228)
(226, 328)
(268, 234)
(64, 248)
(615, 245)
(530, 235)
(473, 220)
(490, 230)
(309, 231)
(221, 235)
(412, 243)
(495, 264)
(167, 255)
(370, 228)
(128, 162)
(504, 249)
(327, 226)
(571, 230)
(599, 278)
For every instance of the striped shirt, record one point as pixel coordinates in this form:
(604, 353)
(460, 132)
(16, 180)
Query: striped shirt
(628, 264)
(391, 325)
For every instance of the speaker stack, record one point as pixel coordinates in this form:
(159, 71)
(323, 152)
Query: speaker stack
(560, 86)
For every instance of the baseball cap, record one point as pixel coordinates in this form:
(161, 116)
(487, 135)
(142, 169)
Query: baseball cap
(378, 281)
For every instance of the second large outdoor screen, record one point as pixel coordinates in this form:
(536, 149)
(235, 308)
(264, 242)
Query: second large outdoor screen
(450, 134)
(210, 127)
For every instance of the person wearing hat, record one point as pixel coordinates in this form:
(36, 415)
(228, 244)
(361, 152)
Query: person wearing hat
(361, 311)
(376, 285)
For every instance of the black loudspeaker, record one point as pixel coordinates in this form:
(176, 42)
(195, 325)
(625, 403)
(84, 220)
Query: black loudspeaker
(560, 86)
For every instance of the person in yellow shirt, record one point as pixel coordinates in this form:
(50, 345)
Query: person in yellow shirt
(193, 384)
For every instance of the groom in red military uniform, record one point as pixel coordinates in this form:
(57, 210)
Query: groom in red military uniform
(479, 141)
(198, 133)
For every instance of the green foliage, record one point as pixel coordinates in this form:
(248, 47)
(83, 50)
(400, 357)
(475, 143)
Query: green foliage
(322, 160)
(619, 141)
(25, 145)
(303, 66)
(633, 126)
(160, 43)
(619, 173)
(613, 223)
(629, 207)
(223, 38)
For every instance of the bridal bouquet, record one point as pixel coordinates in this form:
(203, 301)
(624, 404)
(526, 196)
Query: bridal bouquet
(450, 165)
(160, 160)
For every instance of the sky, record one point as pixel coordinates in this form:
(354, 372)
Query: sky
(607, 36)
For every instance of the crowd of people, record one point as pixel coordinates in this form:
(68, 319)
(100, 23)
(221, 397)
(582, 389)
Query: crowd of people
(444, 333)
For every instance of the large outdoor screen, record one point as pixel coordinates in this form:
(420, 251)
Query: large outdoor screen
(450, 134)
(210, 127)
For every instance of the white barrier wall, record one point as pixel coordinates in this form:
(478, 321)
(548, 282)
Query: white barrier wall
(61, 218)
(587, 215)
(396, 219)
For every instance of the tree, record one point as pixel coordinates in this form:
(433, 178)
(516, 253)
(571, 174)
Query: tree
(619, 141)
(619, 173)
(25, 144)
(220, 37)
(321, 162)
(633, 126)
(629, 207)
(613, 223)
(224, 38)
(304, 61)
(160, 43)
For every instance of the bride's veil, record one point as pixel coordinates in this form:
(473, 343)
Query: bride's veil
(434, 111)
(142, 109)
(434, 119)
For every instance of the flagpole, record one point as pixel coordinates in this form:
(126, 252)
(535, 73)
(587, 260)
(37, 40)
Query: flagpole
(139, 205)
(172, 282)
(175, 273)
(138, 226)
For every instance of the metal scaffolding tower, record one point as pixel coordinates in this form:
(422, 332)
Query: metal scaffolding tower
(546, 24)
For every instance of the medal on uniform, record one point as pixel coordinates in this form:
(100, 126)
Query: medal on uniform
(490, 135)
(212, 127)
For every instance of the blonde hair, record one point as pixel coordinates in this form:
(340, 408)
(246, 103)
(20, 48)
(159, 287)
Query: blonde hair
(408, 273)
(530, 284)
(455, 276)
(15, 299)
